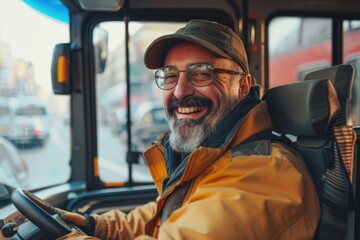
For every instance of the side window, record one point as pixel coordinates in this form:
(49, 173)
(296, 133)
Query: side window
(351, 55)
(145, 99)
(297, 45)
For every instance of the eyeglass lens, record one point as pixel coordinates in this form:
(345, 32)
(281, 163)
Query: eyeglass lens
(198, 74)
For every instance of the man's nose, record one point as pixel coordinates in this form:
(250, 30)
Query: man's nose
(184, 88)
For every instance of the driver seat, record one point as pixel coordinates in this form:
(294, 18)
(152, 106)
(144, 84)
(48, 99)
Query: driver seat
(310, 116)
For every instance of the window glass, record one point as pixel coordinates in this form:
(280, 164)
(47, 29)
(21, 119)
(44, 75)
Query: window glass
(146, 110)
(351, 55)
(34, 138)
(297, 45)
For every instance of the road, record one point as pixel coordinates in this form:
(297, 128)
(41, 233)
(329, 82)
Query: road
(49, 164)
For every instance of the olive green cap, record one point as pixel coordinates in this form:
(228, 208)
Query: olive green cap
(213, 36)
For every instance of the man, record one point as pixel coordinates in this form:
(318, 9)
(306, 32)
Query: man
(217, 173)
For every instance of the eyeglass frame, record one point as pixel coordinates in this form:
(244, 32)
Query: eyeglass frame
(188, 71)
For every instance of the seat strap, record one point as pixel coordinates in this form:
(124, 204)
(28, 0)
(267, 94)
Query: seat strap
(346, 137)
(267, 135)
(337, 196)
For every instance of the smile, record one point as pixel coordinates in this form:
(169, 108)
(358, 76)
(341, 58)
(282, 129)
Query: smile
(190, 109)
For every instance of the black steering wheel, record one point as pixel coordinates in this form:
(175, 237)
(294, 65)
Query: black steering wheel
(41, 213)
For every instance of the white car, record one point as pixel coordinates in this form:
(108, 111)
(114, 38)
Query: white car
(30, 125)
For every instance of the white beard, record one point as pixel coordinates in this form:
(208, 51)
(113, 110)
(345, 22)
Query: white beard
(187, 134)
(190, 138)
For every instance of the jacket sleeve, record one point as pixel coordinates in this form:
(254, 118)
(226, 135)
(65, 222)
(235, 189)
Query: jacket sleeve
(118, 225)
(248, 197)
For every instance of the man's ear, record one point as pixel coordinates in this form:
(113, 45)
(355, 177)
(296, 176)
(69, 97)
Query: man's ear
(245, 85)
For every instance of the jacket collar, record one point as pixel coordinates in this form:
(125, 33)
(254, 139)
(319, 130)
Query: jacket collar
(255, 121)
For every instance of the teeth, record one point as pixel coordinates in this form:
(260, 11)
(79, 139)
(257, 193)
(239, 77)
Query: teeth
(190, 109)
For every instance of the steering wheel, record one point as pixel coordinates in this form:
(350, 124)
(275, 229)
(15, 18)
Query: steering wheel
(39, 212)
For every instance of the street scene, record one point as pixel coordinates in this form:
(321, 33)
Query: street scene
(51, 161)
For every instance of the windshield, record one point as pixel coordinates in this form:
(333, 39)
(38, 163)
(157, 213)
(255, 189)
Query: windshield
(34, 140)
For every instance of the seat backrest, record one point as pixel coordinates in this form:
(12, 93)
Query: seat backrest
(312, 114)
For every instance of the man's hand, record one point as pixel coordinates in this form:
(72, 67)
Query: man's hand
(86, 223)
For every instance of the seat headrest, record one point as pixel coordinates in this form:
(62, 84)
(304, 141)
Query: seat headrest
(303, 108)
(341, 76)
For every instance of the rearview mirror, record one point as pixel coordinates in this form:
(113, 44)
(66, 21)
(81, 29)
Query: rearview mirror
(60, 72)
(100, 40)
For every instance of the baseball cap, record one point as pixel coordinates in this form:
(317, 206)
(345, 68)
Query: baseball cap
(212, 36)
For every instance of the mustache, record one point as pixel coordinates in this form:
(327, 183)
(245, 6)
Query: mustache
(189, 102)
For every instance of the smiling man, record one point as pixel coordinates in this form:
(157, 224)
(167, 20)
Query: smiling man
(194, 104)
(218, 174)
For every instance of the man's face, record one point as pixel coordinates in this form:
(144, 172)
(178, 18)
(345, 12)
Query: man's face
(193, 112)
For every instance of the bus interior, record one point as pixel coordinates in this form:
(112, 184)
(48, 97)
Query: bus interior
(82, 62)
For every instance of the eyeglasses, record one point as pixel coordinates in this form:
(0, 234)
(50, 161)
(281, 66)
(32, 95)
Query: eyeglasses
(199, 75)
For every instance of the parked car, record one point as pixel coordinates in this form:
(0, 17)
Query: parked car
(118, 126)
(13, 169)
(148, 122)
(30, 126)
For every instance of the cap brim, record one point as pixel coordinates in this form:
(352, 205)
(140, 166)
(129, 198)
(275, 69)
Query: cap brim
(155, 54)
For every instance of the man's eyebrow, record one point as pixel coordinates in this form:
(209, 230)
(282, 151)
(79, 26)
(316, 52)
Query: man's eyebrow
(189, 64)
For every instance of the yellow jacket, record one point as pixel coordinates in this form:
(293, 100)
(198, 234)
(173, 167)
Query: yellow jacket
(231, 195)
